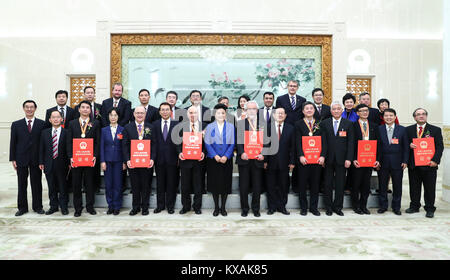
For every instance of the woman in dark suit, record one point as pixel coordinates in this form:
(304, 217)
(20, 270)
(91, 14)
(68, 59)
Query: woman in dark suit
(219, 142)
(112, 162)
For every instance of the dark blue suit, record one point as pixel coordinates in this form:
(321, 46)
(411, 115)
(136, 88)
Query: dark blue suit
(111, 154)
(392, 157)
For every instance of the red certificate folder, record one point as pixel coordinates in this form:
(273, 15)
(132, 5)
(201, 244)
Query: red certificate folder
(140, 153)
(367, 153)
(312, 147)
(83, 152)
(424, 152)
(192, 145)
(253, 144)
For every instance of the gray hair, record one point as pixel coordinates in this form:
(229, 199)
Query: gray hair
(251, 101)
(336, 103)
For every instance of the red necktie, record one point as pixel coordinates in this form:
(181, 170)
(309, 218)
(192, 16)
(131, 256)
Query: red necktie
(29, 126)
(279, 132)
(420, 131)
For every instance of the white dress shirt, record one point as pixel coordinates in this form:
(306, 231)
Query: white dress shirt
(58, 133)
(32, 121)
(162, 124)
(113, 131)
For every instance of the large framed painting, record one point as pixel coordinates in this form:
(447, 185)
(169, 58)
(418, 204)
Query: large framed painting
(220, 65)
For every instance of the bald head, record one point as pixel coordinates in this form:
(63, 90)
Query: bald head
(139, 114)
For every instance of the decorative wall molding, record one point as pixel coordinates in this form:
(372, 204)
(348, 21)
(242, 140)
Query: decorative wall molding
(446, 136)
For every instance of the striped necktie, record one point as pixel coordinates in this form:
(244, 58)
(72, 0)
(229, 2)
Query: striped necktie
(293, 102)
(55, 144)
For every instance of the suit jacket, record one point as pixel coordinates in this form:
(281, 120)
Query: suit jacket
(292, 115)
(374, 116)
(206, 117)
(324, 114)
(339, 149)
(286, 148)
(124, 108)
(24, 146)
(46, 150)
(185, 127)
(432, 131)
(260, 125)
(301, 129)
(70, 113)
(97, 112)
(111, 150)
(151, 115)
(74, 131)
(130, 132)
(374, 134)
(393, 155)
(165, 150)
(221, 145)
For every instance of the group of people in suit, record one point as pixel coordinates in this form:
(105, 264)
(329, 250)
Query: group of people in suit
(46, 145)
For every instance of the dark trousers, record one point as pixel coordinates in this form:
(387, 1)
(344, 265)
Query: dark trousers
(250, 173)
(191, 182)
(361, 187)
(36, 187)
(57, 186)
(141, 180)
(397, 177)
(77, 178)
(166, 186)
(113, 184)
(337, 172)
(277, 188)
(309, 175)
(294, 179)
(427, 177)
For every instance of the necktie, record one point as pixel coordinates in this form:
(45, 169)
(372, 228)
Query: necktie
(279, 132)
(92, 112)
(293, 102)
(310, 125)
(420, 131)
(335, 127)
(29, 126)
(319, 108)
(365, 127)
(193, 128)
(62, 112)
(55, 144)
(115, 104)
(267, 115)
(173, 115)
(390, 132)
(140, 129)
(165, 132)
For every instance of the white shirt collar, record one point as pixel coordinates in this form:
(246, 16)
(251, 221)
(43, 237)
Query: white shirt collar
(139, 123)
(423, 126)
(27, 119)
(393, 126)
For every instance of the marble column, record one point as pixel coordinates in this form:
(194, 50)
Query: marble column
(445, 162)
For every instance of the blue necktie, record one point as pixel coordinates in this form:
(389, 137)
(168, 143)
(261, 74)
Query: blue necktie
(335, 127)
(293, 102)
(165, 130)
(267, 116)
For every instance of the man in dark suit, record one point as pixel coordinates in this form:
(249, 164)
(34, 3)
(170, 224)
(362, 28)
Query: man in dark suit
(54, 162)
(24, 155)
(89, 95)
(116, 101)
(425, 175)
(322, 110)
(177, 113)
(364, 130)
(394, 149)
(340, 152)
(191, 170)
(166, 161)
(278, 164)
(83, 127)
(250, 170)
(152, 113)
(68, 113)
(374, 114)
(141, 178)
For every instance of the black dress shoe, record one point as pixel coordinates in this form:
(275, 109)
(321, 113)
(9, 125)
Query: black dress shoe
(216, 213)
(365, 211)
(411, 210)
(134, 212)
(92, 212)
(198, 212)
(430, 214)
(223, 212)
(170, 211)
(109, 212)
(51, 211)
(77, 213)
(20, 213)
(329, 213)
(157, 210)
(256, 214)
(184, 211)
(358, 211)
(244, 213)
(285, 212)
(270, 212)
(397, 212)
(145, 212)
(40, 212)
(381, 211)
(65, 212)
(315, 212)
(116, 212)
(339, 212)
(303, 212)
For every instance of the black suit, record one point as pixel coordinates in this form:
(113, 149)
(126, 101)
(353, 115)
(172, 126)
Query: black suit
(93, 131)
(191, 174)
(166, 165)
(124, 108)
(95, 112)
(277, 173)
(361, 176)
(425, 175)
(374, 116)
(24, 150)
(151, 115)
(340, 148)
(308, 174)
(69, 114)
(55, 169)
(141, 178)
(325, 113)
